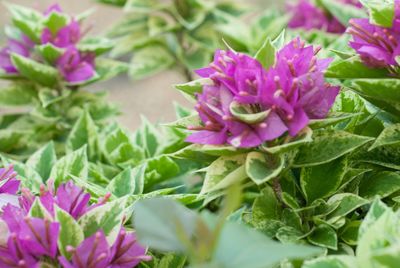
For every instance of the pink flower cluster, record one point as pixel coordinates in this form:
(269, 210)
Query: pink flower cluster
(74, 66)
(307, 15)
(30, 239)
(281, 99)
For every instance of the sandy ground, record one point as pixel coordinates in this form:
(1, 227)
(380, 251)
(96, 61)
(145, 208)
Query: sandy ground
(151, 97)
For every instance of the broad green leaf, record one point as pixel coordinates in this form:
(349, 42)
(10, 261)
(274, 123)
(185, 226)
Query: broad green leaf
(332, 119)
(380, 184)
(159, 222)
(37, 210)
(149, 61)
(266, 54)
(35, 71)
(160, 169)
(148, 138)
(107, 217)
(75, 164)
(245, 114)
(322, 180)
(353, 68)
(55, 21)
(349, 234)
(49, 52)
(389, 136)
(185, 122)
(139, 5)
(328, 145)
(343, 12)
(71, 233)
(263, 167)
(128, 182)
(266, 212)
(43, 160)
(17, 94)
(193, 87)
(292, 143)
(347, 203)
(241, 246)
(107, 69)
(379, 89)
(335, 261)
(377, 209)
(10, 139)
(97, 45)
(84, 133)
(27, 20)
(224, 172)
(381, 12)
(49, 96)
(29, 177)
(324, 236)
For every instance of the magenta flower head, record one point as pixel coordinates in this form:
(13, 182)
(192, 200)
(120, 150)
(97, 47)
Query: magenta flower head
(72, 199)
(126, 252)
(74, 67)
(8, 181)
(247, 105)
(21, 47)
(377, 46)
(16, 254)
(307, 15)
(92, 252)
(67, 36)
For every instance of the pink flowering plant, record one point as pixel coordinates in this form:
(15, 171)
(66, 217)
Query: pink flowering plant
(62, 228)
(47, 59)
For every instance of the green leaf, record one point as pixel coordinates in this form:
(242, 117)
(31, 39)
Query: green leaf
(291, 144)
(244, 113)
(128, 182)
(379, 89)
(43, 160)
(380, 184)
(224, 172)
(160, 169)
(240, 246)
(37, 210)
(266, 212)
(71, 233)
(389, 136)
(97, 45)
(377, 209)
(139, 5)
(263, 167)
(107, 69)
(353, 68)
(335, 261)
(347, 203)
(17, 94)
(324, 236)
(10, 139)
(55, 21)
(48, 96)
(27, 20)
(148, 138)
(266, 54)
(107, 217)
(343, 12)
(40, 73)
(349, 234)
(193, 87)
(322, 180)
(75, 164)
(50, 52)
(381, 12)
(160, 222)
(84, 133)
(149, 61)
(328, 145)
